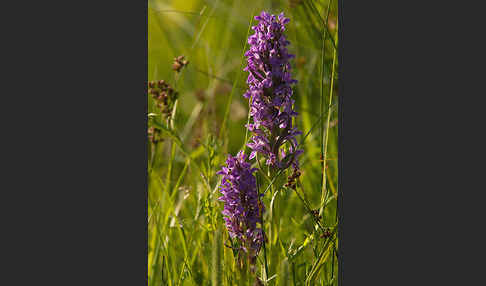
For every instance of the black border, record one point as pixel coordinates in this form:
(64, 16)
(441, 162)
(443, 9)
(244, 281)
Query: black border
(79, 75)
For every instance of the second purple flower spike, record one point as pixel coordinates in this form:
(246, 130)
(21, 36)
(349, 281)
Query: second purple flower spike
(241, 208)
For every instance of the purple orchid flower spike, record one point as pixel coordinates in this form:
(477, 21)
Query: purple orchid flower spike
(270, 93)
(241, 210)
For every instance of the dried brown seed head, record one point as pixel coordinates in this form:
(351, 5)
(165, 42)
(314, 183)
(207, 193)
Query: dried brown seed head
(176, 66)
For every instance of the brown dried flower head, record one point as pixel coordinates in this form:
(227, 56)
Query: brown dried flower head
(179, 63)
(164, 96)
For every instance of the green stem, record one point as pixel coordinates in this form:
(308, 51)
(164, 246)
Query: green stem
(322, 100)
(169, 170)
(324, 189)
(263, 232)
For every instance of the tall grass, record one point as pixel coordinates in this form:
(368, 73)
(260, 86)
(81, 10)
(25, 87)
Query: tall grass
(188, 243)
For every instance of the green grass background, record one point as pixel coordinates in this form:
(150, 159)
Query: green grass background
(186, 233)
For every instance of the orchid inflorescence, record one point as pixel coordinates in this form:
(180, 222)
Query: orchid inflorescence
(273, 137)
(241, 208)
(270, 93)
